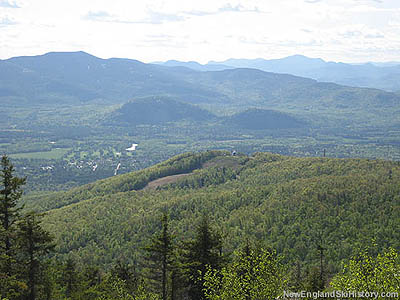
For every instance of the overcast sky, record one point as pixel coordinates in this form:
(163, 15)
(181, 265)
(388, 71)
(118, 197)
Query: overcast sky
(203, 30)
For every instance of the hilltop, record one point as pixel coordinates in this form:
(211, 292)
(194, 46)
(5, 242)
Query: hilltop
(158, 110)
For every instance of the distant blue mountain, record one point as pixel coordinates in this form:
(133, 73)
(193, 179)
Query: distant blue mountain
(290, 65)
(374, 75)
(195, 65)
(77, 77)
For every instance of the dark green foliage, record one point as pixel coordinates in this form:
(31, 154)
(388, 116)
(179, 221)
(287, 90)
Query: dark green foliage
(24, 243)
(9, 211)
(312, 281)
(127, 273)
(34, 244)
(158, 110)
(70, 277)
(10, 194)
(205, 250)
(159, 258)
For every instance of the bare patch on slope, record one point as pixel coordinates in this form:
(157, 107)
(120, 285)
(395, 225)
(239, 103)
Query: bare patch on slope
(152, 185)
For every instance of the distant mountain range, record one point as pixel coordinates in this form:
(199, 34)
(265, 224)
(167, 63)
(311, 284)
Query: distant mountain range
(195, 65)
(62, 78)
(374, 75)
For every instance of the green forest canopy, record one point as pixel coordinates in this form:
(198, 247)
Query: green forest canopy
(293, 205)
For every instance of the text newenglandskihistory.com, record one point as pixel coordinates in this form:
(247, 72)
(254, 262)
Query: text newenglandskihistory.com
(339, 294)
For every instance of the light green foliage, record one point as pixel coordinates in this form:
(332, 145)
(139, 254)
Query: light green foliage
(253, 275)
(115, 288)
(368, 273)
(143, 294)
(284, 201)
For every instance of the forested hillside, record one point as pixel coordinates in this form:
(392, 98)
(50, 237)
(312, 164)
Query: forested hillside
(293, 205)
(157, 110)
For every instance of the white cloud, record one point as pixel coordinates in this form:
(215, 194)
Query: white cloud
(152, 18)
(346, 30)
(8, 4)
(5, 21)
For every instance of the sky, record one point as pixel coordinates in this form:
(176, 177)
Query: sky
(155, 30)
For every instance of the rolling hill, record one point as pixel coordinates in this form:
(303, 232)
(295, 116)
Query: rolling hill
(287, 203)
(158, 110)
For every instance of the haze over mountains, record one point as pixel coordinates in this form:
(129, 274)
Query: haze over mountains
(374, 75)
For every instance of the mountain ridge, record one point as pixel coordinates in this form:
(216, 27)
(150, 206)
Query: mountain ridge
(78, 77)
(361, 75)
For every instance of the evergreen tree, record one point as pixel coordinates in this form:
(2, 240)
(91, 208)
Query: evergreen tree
(34, 244)
(127, 273)
(160, 256)
(70, 277)
(204, 251)
(10, 193)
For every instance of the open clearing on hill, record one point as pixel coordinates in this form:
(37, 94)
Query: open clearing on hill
(221, 161)
(152, 185)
